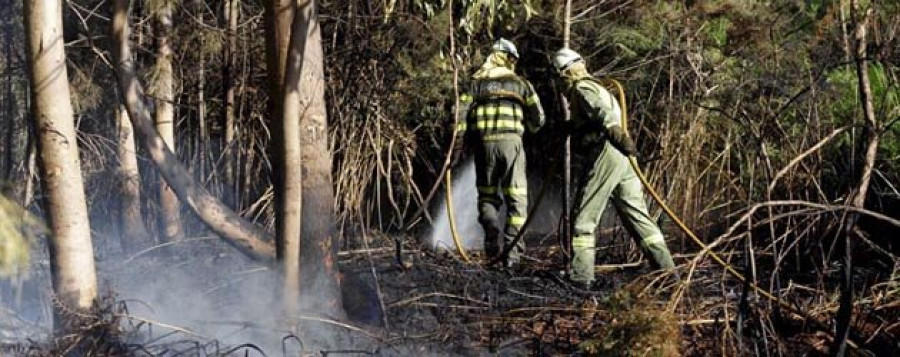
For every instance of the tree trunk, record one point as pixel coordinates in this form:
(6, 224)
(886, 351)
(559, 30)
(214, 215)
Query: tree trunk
(231, 17)
(218, 217)
(284, 106)
(14, 131)
(8, 104)
(201, 147)
(319, 271)
(567, 148)
(30, 167)
(165, 119)
(71, 250)
(133, 231)
(17, 133)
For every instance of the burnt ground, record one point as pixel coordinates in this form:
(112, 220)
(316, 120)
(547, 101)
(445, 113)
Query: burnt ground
(528, 310)
(201, 297)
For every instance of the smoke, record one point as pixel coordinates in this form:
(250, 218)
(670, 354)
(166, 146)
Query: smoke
(218, 296)
(545, 216)
(200, 289)
(465, 214)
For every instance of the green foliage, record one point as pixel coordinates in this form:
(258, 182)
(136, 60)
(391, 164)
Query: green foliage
(16, 225)
(844, 83)
(494, 15)
(162, 69)
(635, 41)
(717, 31)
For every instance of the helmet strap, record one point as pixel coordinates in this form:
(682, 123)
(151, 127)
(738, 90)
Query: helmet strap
(575, 71)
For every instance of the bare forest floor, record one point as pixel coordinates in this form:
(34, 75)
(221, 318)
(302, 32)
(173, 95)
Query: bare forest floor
(200, 297)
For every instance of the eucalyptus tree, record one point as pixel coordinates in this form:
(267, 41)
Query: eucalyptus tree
(231, 12)
(304, 190)
(131, 223)
(286, 176)
(71, 249)
(16, 161)
(164, 92)
(318, 251)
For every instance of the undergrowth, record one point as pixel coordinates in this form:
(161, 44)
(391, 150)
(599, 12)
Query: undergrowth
(638, 326)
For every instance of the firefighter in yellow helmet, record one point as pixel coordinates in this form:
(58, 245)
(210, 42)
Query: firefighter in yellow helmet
(495, 111)
(605, 174)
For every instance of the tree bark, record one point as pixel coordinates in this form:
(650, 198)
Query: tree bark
(170, 220)
(17, 132)
(13, 128)
(223, 221)
(30, 167)
(71, 250)
(8, 104)
(320, 282)
(231, 17)
(567, 148)
(284, 106)
(133, 231)
(201, 147)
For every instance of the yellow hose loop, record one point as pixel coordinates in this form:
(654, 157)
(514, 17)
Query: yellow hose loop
(448, 184)
(688, 231)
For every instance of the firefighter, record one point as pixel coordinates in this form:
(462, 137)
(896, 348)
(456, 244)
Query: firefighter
(493, 114)
(605, 172)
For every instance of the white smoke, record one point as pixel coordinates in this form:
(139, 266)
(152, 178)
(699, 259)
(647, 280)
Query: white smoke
(195, 292)
(465, 212)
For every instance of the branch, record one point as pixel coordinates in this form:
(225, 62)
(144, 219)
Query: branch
(250, 240)
(803, 155)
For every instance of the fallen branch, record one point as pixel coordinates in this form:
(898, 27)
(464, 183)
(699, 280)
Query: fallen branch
(341, 324)
(243, 235)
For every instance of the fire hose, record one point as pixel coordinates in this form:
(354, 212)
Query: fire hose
(448, 197)
(657, 198)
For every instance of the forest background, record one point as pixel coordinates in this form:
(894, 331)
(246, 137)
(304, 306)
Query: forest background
(749, 116)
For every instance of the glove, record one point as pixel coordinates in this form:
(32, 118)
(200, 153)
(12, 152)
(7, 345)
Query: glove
(619, 138)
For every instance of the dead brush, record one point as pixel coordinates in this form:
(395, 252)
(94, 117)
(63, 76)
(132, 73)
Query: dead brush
(637, 326)
(108, 330)
(97, 332)
(376, 160)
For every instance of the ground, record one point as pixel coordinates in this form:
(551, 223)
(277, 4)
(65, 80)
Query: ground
(200, 297)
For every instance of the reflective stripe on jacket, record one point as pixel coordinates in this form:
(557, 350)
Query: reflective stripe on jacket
(499, 105)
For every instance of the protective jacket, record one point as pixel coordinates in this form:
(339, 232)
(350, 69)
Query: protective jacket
(498, 105)
(494, 113)
(596, 116)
